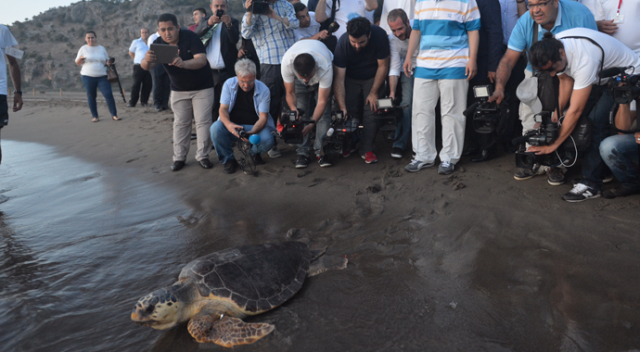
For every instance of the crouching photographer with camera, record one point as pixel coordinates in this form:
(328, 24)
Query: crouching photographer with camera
(307, 73)
(577, 56)
(244, 105)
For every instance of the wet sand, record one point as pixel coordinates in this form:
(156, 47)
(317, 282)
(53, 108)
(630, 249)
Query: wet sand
(93, 219)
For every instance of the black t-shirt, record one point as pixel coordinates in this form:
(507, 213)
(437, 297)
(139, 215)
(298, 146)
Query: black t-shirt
(183, 80)
(362, 64)
(244, 111)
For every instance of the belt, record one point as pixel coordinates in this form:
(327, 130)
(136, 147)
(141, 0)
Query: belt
(222, 70)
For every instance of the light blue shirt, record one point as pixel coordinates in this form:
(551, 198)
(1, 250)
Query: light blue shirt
(509, 13)
(270, 37)
(139, 48)
(261, 95)
(571, 14)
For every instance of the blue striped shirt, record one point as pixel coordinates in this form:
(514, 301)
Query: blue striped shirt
(271, 37)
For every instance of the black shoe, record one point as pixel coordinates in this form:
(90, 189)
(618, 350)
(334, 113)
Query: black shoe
(194, 136)
(397, 153)
(131, 105)
(258, 159)
(144, 105)
(324, 161)
(206, 164)
(177, 165)
(231, 166)
(158, 108)
(302, 162)
(165, 108)
(619, 191)
(470, 151)
(484, 155)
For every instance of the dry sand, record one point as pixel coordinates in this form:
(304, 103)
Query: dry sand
(471, 261)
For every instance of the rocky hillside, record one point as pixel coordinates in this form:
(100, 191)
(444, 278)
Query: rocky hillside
(51, 40)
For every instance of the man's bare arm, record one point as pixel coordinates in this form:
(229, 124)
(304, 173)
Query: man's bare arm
(509, 60)
(338, 86)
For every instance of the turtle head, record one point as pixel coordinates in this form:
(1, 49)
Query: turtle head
(161, 309)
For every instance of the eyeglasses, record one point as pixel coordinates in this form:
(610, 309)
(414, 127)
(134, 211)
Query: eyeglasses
(539, 5)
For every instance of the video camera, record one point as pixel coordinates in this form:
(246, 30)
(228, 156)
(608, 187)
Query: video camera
(388, 114)
(486, 116)
(339, 134)
(259, 7)
(292, 126)
(625, 88)
(546, 134)
(219, 13)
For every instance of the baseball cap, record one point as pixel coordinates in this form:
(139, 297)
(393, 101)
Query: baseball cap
(527, 92)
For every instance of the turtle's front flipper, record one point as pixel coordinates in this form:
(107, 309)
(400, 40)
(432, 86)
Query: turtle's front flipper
(325, 263)
(228, 331)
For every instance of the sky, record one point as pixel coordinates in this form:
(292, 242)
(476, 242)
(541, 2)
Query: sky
(11, 11)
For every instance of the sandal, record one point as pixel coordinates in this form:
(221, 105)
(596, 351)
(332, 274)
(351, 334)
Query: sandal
(95, 119)
(115, 118)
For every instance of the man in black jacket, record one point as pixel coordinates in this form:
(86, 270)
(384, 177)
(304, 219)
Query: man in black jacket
(219, 34)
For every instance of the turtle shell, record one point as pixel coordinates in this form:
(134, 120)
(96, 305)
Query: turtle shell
(256, 278)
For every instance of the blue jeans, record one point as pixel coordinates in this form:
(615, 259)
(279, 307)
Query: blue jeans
(307, 97)
(403, 130)
(223, 140)
(620, 153)
(90, 85)
(598, 107)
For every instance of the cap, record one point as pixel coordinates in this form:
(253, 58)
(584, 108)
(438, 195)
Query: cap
(527, 92)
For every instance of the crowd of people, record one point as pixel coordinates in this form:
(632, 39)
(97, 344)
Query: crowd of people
(331, 56)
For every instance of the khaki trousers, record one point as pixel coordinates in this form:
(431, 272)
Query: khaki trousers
(196, 105)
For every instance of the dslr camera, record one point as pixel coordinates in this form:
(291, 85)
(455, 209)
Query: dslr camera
(219, 13)
(486, 116)
(339, 134)
(293, 124)
(546, 134)
(260, 7)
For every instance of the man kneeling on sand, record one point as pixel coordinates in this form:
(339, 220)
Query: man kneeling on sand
(245, 109)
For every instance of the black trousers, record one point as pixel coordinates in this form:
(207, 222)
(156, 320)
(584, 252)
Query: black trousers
(4, 116)
(219, 77)
(161, 87)
(141, 79)
(271, 76)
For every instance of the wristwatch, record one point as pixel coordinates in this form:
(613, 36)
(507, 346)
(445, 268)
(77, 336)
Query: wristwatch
(17, 92)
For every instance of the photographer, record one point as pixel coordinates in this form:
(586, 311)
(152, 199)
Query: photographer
(576, 56)
(310, 62)
(244, 105)
(309, 27)
(219, 34)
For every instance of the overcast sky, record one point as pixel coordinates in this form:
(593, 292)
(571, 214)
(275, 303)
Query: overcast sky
(11, 11)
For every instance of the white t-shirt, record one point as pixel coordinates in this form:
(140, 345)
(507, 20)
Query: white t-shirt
(139, 48)
(214, 54)
(409, 6)
(320, 53)
(6, 41)
(595, 7)
(583, 57)
(347, 10)
(310, 31)
(398, 54)
(95, 60)
(629, 30)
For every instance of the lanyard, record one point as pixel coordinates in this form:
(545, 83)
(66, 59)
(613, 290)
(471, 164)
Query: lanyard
(619, 5)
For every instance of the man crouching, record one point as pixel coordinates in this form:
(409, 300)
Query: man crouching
(245, 109)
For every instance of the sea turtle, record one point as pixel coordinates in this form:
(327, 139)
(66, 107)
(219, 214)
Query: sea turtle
(216, 291)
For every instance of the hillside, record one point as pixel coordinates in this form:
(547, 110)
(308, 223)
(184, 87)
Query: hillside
(51, 39)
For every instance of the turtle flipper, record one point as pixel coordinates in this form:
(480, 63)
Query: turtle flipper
(228, 331)
(325, 263)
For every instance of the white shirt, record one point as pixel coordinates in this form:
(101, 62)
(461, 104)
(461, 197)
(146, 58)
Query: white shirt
(409, 7)
(399, 50)
(595, 6)
(347, 9)
(95, 60)
(313, 29)
(214, 54)
(152, 38)
(583, 57)
(139, 48)
(6, 41)
(320, 53)
(629, 30)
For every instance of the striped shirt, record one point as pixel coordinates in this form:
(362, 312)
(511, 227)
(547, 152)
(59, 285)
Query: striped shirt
(272, 38)
(444, 43)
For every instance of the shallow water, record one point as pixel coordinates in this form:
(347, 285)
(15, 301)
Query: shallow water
(80, 243)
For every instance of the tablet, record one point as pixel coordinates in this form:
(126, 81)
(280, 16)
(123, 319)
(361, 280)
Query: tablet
(165, 53)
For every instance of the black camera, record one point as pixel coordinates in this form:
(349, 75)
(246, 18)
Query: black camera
(219, 13)
(546, 134)
(260, 7)
(625, 88)
(388, 115)
(486, 116)
(339, 134)
(293, 124)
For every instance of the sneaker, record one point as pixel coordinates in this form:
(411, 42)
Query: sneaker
(619, 191)
(397, 153)
(258, 159)
(323, 161)
(347, 152)
(580, 192)
(555, 176)
(370, 158)
(525, 174)
(274, 153)
(417, 165)
(446, 168)
(302, 162)
(231, 166)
